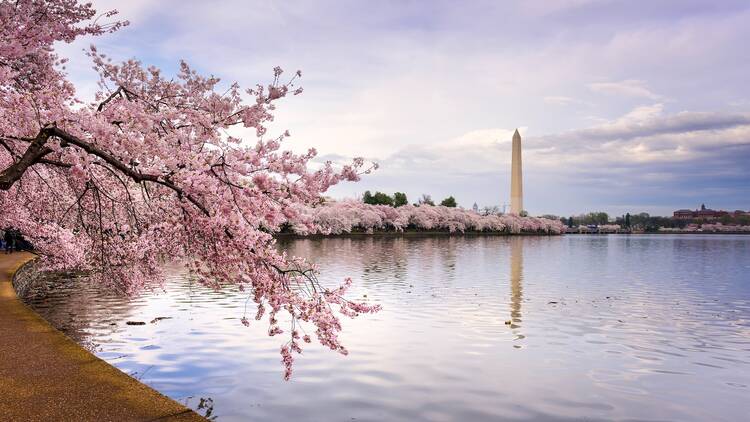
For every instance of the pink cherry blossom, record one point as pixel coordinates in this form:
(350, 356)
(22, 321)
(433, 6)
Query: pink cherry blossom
(354, 216)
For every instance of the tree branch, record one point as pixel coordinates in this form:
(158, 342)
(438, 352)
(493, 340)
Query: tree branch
(37, 150)
(54, 163)
(117, 92)
(34, 153)
(119, 165)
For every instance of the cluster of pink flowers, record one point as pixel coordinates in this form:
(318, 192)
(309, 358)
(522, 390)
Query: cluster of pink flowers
(710, 227)
(609, 227)
(718, 227)
(354, 216)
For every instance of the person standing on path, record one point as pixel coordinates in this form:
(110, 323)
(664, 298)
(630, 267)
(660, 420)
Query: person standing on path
(10, 240)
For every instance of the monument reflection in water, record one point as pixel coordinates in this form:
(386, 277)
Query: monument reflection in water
(601, 327)
(516, 283)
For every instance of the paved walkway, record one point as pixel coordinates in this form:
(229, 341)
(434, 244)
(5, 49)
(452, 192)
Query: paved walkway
(45, 376)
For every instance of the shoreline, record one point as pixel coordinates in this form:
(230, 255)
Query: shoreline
(415, 234)
(405, 234)
(44, 375)
(662, 233)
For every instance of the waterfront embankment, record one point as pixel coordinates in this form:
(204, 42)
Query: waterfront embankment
(45, 376)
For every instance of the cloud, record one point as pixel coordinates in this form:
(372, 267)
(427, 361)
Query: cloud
(644, 135)
(744, 103)
(627, 88)
(650, 122)
(549, 7)
(559, 100)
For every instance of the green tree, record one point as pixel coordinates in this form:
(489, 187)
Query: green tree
(627, 220)
(399, 199)
(595, 218)
(449, 202)
(425, 200)
(379, 198)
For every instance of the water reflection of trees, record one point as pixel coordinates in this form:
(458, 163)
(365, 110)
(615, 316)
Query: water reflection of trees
(378, 257)
(69, 304)
(446, 248)
(383, 258)
(392, 258)
(387, 258)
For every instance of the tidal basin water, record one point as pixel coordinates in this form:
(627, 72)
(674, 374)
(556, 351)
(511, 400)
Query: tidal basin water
(474, 328)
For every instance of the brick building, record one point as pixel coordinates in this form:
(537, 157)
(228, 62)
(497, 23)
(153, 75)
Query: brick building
(702, 214)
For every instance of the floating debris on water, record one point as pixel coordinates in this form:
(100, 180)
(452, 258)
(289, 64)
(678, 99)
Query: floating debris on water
(157, 319)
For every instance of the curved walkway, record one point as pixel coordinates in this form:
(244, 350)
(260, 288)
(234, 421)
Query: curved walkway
(45, 376)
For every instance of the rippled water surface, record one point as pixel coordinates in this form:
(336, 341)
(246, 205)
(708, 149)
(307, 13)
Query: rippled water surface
(472, 329)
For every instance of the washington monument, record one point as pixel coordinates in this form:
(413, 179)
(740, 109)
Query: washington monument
(516, 177)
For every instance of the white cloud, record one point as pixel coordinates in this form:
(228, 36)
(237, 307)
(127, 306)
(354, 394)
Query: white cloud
(483, 137)
(559, 100)
(548, 7)
(627, 88)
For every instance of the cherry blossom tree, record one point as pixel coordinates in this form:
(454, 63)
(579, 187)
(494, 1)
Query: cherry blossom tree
(149, 171)
(719, 227)
(355, 216)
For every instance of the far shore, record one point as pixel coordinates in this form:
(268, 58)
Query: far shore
(407, 233)
(472, 233)
(659, 233)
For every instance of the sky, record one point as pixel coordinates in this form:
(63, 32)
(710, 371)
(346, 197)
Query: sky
(623, 106)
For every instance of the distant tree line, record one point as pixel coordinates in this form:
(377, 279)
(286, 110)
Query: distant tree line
(399, 199)
(592, 218)
(742, 220)
(354, 216)
(643, 221)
